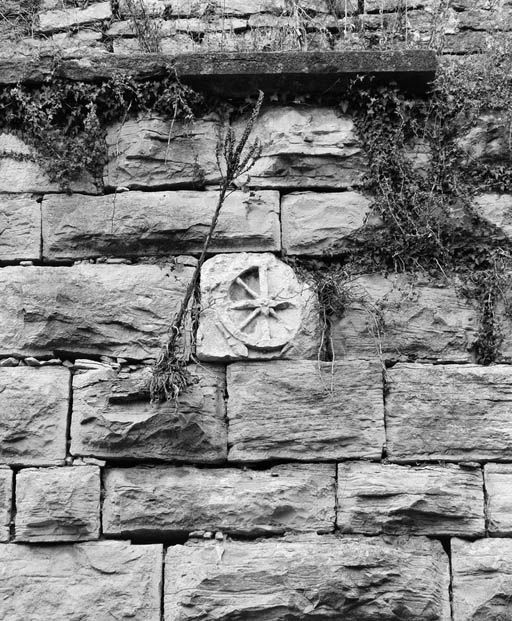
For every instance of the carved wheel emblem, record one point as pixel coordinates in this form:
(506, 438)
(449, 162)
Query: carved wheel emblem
(260, 313)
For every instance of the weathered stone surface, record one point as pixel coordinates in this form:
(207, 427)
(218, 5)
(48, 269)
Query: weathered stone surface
(304, 148)
(150, 152)
(496, 209)
(20, 228)
(253, 306)
(453, 412)
(180, 43)
(6, 478)
(305, 411)
(179, 500)
(148, 223)
(100, 580)
(403, 317)
(113, 418)
(58, 504)
(498, 487)
(488, 139)
(482, 582)
(315, 223)
(21, 172)
(115, 310)
(51, 21)
(34, 406)
(422, 500)
(308, 577)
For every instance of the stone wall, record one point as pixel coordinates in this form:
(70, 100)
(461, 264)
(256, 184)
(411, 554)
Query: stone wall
(371, 479)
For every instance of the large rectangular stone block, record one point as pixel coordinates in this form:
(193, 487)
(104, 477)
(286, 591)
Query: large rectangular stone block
(58, 504)
(451, 412)
(20, 228)
(113, 418)
(151, 152)
(115, 310)
(6, 479)
(34, 405)
(498, 487)
(482, 579)
(401, 317)
(308, 577)
(402, 500)
(157, 223)
(100, 580)
(305, 148)
(62, 19)
(305, 410)
(169, 501)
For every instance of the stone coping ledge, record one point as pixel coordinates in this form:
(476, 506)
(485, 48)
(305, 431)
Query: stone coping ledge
(237, 74)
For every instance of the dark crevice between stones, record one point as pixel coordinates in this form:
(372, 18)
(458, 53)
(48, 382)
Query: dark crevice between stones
(69, 457)
(12, 527)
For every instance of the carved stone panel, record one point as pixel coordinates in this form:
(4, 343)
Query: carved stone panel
(253, 306)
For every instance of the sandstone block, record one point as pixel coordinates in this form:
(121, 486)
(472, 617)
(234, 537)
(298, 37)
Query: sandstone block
(254, 307)
(315, 223)
(51, 21)
(308, 577)
(113, 418)
(170, 501)
(305, 148)
(151, 152)
(114, 310)
(453, 412)
(58, 504)
(482, 582)
(99, 580)
(401, 500)
(149, 223)
(498, 486)
(34, 405)
(305, 410)
(20, 228)
(404, 318)
(6, 478)
(21, 172)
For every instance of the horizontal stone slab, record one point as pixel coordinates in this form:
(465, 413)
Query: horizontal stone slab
(305, 411)
(305, 148)
(452, 412)
(321, 577)
(100, 580)
(482, 582)
(6, 486)
(114, 310)
(34, 405)
(498, 487)
(62, 19)
(114, 419)
(20, 228)
(402, 500)
(58, 504)
(403, 317)
(317, 223)
(152, 152)
(170, 501)
(157, 223)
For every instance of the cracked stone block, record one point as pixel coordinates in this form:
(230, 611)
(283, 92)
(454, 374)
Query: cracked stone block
(498, 486)
(402, 317)
(305, 148)
(449, 412)
(405, 500)
(254, 307)
(6, 479)
(103, 580)
(114, 419)
(20, 228)
(58, 504)
(305, 410)
(482, 580)
(170, 501)
(308, 577)
(113, 310)
(152, 152)
(157, 223)
(34, 405)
